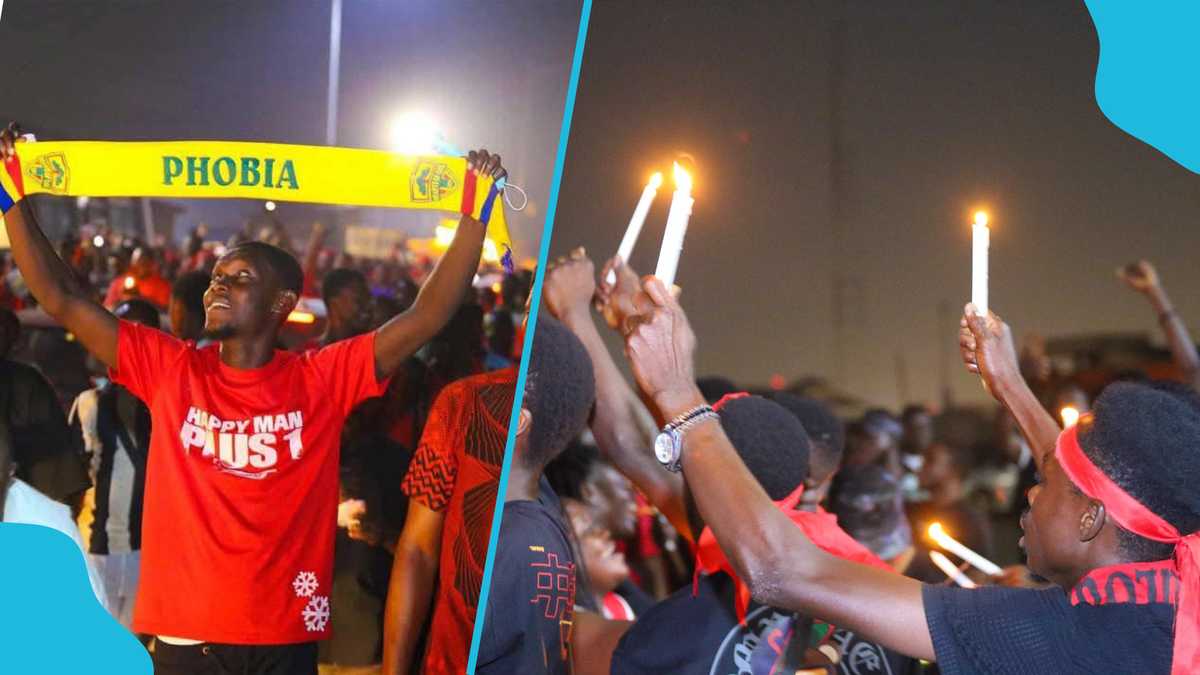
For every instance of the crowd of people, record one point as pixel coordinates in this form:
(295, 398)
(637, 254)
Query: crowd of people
(163, 410)
(163, 407)
(684, 525)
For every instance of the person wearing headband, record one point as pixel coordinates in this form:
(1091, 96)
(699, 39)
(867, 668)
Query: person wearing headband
(242, 472)
(1112, 524)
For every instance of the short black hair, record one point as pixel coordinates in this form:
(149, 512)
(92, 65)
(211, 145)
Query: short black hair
(338, 279)
(1145, 439)
(878, 420)
(189, 289)
(138, 311)
(559, 390)
(825, 430)
(282, 265)
(770, 440)
(869, 506)
(569, 471)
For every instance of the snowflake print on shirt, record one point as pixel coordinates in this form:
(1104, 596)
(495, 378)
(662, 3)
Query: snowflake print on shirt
(305, 584)
(316, 614)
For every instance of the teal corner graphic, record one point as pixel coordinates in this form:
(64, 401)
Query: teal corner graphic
(51, 622)
(1146, 75)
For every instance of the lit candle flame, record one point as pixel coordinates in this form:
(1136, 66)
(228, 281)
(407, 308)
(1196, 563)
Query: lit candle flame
(683, 179)
(656, 180)
(129, 283)
(944, 540)
(1069, 415)
(299, 316)
(981, 218)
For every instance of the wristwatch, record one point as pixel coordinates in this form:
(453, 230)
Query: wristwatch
(668, 445)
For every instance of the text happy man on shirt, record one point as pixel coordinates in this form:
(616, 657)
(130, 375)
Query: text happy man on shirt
(242, 480)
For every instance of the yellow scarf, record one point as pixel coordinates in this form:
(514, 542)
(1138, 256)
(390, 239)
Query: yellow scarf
(278, 172)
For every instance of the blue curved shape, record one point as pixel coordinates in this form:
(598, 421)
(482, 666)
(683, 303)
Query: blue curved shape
(50, 620)
(1146, 78)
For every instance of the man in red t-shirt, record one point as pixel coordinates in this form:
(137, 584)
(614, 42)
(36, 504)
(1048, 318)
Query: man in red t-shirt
(451, 484)
(242, 477)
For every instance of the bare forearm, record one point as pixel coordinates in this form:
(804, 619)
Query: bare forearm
(1038, 426)
(783, 568)
(56, 289)
(409, 594)
(1183, 350)
(48, 277)
(437, 301)
(623, 429)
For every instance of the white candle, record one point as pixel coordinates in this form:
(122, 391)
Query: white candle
(979, 262)
(677, 222)
(951, 571)
(635, 223)
(952, 545)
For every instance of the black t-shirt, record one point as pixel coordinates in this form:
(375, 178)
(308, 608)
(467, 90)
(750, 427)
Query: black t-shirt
(701, 635)
(527, 626)
(1015, 631)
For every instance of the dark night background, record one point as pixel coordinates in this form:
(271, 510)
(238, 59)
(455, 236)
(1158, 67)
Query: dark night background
(490, 74)
(848, 143)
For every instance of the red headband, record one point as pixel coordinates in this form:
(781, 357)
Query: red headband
(1135, 517)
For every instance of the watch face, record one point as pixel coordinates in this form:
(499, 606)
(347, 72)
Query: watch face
(664, 448)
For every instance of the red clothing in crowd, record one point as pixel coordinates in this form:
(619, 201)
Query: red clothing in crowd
(241, 485)
(152, 288)
(457, 470)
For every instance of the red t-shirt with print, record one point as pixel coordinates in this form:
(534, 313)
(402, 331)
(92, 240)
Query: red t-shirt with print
(241, 485)
(456, 470)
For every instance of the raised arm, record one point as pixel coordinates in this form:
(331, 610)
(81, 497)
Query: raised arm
(776, 560)
(623, 428)
(52, 283)
(986, 345)
(443, 291)
(316, 239)
(1142, 277)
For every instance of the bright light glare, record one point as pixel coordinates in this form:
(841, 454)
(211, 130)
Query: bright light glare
(981, 218)
(270, 206)
(1069, 415)
(683, 180)
(98, 241)
(414, 133)
(299, 316)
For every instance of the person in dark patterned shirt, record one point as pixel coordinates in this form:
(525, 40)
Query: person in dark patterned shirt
(452, 485)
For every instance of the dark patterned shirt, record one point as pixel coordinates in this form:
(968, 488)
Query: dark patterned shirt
(456, 470)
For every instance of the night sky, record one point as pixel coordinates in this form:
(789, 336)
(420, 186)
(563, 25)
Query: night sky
(491, 74)
(862, 158)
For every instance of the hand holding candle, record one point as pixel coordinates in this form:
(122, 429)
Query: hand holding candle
(939, 536)
(980, 239)
(635, 223)
(677, 222)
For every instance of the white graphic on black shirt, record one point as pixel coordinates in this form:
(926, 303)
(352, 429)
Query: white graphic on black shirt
(248, 448)
(316, 614)
(305, 584)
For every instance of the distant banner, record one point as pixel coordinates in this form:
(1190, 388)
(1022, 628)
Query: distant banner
(266, 171)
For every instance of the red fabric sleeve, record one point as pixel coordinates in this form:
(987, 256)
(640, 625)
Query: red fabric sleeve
(434, 469)
(143, 356)
(348, 369)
